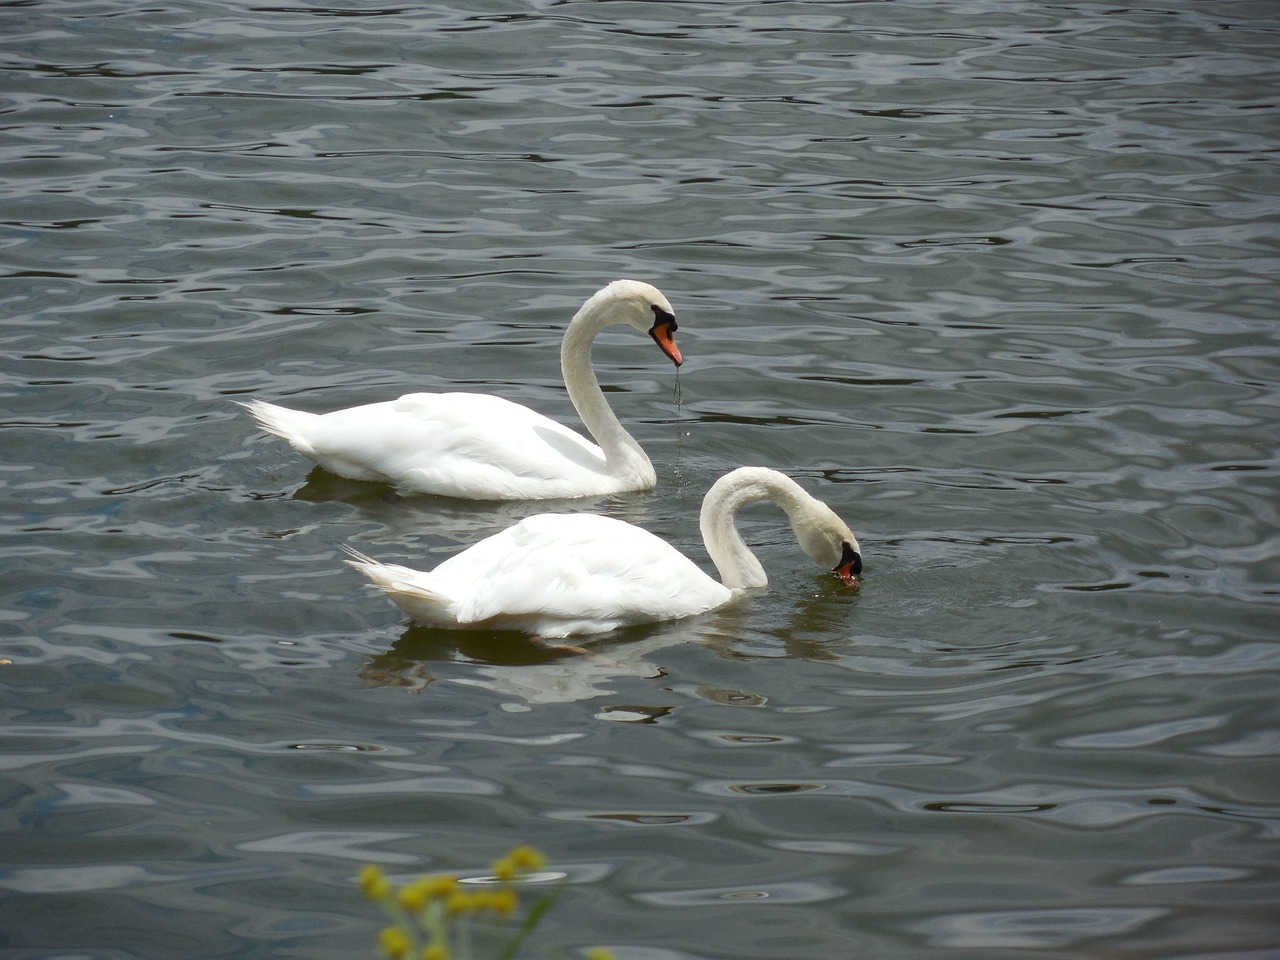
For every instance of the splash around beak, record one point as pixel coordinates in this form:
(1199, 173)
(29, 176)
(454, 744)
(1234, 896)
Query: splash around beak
(662, 332)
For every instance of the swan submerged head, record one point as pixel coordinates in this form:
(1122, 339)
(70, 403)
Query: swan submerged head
(828, 541)
(850, 565)
(822, 535)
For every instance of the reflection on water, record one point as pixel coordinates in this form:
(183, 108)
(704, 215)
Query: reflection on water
(530, 672)
(997, 281)
(510, 665)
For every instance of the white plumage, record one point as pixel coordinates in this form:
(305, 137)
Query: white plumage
(482, 447)
(556, 575)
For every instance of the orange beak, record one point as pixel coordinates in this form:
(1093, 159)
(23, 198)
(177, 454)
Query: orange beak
(662, 335)
(850, 566)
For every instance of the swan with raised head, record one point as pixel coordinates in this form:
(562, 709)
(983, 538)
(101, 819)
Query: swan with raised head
(556, 575)
(481, 447)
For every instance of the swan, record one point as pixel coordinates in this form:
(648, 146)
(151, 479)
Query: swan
(556, 575)
(481, 447)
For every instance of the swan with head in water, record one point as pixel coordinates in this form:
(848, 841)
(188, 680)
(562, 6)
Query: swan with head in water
(482, 447)
(556, 575)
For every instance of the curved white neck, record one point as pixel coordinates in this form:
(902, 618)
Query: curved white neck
(739, 569)
(623, 455)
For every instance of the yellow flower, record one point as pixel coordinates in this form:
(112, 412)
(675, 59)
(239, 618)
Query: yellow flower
(520, 860)
(437, 951)
(600, 953)
(395, 942)
(459, 902)
(503, 902)
(413, 898)
(528, 858)
(374, 883)
(505, 870)
(437, 888)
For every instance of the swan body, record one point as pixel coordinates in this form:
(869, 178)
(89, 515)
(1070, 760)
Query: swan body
(557, 575)
(481, 447)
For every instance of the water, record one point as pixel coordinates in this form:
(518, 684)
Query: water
(996, 280)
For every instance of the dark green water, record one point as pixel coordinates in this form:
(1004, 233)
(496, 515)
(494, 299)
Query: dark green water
(997, 280)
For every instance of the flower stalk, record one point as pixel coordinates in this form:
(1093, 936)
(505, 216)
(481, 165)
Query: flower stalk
(435, 917)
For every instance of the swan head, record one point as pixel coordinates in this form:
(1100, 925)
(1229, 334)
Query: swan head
(829, 542)
(643, 306)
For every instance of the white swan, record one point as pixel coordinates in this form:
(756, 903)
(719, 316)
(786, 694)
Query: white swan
(481, 447)
(554, 575)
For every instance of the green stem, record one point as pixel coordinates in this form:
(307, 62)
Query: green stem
(530, 922)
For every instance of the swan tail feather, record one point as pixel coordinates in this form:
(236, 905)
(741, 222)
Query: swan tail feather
(405, 588)
(291, 426)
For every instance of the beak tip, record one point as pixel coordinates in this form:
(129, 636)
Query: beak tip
(850, 566)
(662, 336)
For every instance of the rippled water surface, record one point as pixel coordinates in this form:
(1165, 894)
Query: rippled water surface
(997, 280)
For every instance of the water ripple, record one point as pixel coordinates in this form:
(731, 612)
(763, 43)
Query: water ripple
(1034, 929)
(997, 282)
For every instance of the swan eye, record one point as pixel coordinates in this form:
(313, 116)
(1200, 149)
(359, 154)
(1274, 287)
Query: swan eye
(662, 318)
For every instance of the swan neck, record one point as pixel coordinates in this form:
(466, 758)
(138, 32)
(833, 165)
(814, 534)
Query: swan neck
(739, 568)
(622, 453)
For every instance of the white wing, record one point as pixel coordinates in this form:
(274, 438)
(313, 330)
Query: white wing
(452, 444)
(556, 574)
